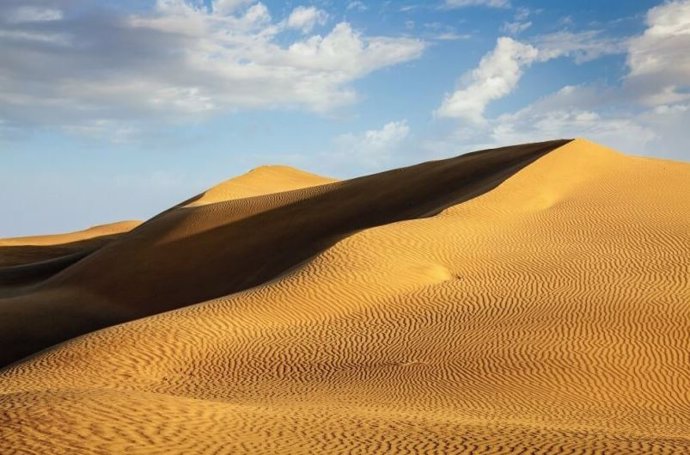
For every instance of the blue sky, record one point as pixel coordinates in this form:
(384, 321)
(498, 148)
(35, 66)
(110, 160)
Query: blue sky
(118, 109)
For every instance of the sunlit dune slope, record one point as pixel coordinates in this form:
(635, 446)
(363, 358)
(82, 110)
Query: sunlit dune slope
(194, 253)
(549, 314)
(258, 182)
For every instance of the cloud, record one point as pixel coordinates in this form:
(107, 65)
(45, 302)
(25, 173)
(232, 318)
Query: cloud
(488, 3)
(371, 148)
(514, 28)
(357, 5)
(555, 117)
(500, 70)
(178, 62)
(305, 18)
(647, 114)
(659, 59)
(451, 36)
(496, 75)
(582, 46)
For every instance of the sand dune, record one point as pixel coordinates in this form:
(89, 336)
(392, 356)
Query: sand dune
(194, 253)
(26, 261)
(521, 300)
(71, 237)
(258, 182)
(25, 250)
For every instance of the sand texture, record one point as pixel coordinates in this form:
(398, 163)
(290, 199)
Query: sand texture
(532, 299)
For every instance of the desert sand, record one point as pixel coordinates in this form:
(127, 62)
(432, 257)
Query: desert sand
(529, 299)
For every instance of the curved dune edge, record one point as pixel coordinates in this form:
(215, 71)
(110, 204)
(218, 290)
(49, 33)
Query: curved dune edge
(547, 315)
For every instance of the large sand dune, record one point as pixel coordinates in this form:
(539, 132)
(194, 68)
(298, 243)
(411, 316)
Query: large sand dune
(533, 299)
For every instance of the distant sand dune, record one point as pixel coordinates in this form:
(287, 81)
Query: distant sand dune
(522, 300)
(26, 261)
(24, 250)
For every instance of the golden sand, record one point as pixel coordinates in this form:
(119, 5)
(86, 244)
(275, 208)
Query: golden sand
(550, 314)
(57, 239)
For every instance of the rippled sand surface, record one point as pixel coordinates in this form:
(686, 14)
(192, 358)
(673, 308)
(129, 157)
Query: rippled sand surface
(542, 308)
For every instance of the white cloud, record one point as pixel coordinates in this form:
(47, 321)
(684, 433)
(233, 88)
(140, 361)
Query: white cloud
(488, 3)
(305, 18)
(179, 62)
(357, 5)
(497, 75)
(659, 59)
(582, 46)
(514, 28)
(451, 36)
(647, 114)
(372, 148)
(224, 7)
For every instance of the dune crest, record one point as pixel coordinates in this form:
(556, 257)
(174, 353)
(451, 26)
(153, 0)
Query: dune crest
(539, 308)
(258, 182)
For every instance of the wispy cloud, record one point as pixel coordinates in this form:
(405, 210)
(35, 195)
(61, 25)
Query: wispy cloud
(372, 148)
(496, 75)
(487, 3)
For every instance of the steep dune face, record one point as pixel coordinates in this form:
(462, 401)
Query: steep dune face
(547, 315)
(194, 253)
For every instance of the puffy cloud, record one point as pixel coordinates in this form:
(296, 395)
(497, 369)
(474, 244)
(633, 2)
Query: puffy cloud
(659, 60)
(177, 62)
(371, 148)
(500, 70)
(488, 3)
(496, 75)
(647, 114)
(305, 18)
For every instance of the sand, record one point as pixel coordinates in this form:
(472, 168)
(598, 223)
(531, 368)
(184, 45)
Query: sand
(521, 300)
(26, 250)
(27, 261)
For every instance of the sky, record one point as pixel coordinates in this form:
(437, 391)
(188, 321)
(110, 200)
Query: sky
(113, 110)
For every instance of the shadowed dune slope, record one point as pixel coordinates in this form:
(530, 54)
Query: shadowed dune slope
(25, 250)
(194, 253)
(26, 261)
(549, 315)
